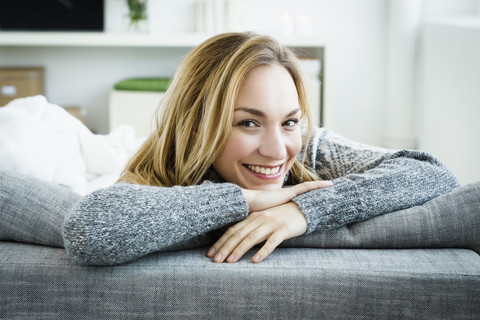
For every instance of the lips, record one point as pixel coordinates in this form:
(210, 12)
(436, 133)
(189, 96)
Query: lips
(265, 171)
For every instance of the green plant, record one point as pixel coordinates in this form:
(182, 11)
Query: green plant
(137, 11)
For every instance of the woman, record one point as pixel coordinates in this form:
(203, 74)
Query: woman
(235, 161)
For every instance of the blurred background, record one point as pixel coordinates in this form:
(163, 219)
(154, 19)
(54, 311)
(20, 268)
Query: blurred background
(392, 73)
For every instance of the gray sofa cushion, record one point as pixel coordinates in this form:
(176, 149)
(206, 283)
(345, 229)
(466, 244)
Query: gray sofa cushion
(32, 210)
(449, 221)
(41, 283)
(452, 220)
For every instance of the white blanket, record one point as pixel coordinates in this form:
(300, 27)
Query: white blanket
(43, 140)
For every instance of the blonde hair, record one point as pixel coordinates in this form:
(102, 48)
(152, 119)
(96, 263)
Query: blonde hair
(196, 114)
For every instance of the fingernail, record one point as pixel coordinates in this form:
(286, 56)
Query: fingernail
(231, 258)
(211, 252)
(218, 257)
(256, 258)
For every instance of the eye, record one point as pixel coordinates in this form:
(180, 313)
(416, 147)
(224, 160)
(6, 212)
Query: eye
(291, 123)
(247, 123)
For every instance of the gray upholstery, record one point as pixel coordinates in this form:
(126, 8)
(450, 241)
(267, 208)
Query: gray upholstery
(449, 221)
(37, 281)
(301, 283)
(32, 210)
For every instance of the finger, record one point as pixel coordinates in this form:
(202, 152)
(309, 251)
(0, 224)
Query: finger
(224, 238)
(253, 238)
(272, 242)
(259, 200)
(309, 186)
(230, 240)
(219, 243)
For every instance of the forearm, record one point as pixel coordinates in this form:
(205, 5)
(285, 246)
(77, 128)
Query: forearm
(402, 180)
(124, 222)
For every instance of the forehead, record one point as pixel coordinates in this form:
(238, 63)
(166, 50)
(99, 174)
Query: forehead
(269, 72)
(268, 86)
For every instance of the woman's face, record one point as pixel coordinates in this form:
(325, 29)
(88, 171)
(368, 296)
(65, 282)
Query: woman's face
(266, 135)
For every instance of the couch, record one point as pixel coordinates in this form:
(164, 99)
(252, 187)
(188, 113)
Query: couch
(418, 263)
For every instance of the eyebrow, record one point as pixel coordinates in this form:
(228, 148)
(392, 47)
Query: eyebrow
(259, 113)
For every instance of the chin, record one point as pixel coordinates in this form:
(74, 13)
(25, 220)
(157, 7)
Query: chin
(270, 187)
(266, 186)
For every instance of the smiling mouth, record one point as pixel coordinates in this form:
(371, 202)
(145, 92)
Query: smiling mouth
(265, 171)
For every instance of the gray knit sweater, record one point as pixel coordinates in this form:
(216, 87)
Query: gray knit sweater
(126, 221)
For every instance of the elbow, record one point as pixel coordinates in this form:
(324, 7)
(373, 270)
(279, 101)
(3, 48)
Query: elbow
(84, 249)
(451, 180)
(438, 176)
(84, 241)
(433, 171)
(77, 250)
(443, 177)
(94, 231)
(79, 245)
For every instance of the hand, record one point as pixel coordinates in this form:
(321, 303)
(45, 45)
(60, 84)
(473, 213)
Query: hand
(259, 200)
(273, 225)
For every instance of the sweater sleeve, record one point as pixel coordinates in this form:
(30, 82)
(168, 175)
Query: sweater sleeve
(125, 221)
(368, 181)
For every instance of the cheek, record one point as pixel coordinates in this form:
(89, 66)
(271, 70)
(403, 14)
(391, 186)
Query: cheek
(294, 144)
(238, 147)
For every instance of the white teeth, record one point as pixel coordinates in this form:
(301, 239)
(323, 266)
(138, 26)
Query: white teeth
(263, 170)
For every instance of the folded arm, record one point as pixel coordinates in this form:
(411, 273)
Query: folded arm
(368, 181)
(124, 222)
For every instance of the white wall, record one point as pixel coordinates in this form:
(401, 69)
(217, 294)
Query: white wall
(356, 27)
(450, 96)
(357, 30)
(83, 77)
(400, 69)
(443, 8)
(367, 67)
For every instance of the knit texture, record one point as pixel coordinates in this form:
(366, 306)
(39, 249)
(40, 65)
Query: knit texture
(368, 181)
(124, 222)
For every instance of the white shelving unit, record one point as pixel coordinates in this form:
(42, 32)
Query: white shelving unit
(104, 39)
(98, 39)
(93, 42)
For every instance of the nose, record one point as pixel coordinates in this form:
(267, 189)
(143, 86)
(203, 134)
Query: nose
(273, 145)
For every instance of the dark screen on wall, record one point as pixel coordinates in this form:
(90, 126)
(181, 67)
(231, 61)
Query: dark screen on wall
(51, 15)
